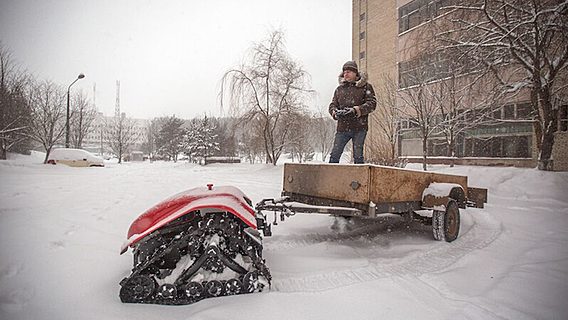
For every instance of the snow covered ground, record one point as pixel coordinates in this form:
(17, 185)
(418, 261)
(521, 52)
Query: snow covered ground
(61, 229)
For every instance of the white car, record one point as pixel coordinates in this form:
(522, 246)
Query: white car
(74, 158)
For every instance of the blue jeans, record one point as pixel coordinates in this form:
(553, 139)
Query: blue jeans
(341, 139)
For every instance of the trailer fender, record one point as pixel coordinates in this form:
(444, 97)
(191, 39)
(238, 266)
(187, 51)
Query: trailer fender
(437, 195)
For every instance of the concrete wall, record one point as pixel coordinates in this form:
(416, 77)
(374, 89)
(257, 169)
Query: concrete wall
(560, 151)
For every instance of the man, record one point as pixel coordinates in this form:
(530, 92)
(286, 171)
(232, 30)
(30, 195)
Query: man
(352, 101)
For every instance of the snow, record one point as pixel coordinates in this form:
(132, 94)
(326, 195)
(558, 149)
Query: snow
(61, 229)
(439, 189)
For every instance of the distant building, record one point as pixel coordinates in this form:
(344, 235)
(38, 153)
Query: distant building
(97, 139)
(385, 41)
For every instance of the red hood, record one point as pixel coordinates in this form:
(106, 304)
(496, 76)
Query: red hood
(224, 198)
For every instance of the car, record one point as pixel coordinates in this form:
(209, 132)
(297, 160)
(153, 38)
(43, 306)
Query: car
(74, 158)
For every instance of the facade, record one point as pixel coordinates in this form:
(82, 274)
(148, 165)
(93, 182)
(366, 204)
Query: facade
(97, 139)
(388, 39)
(374, 49)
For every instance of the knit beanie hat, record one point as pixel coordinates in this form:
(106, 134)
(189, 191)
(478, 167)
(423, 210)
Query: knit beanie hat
(351, 65)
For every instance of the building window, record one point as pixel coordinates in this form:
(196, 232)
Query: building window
(426, 68)
(509, 112)
(501, 147)
(362, 17)
(497, 113)
(362, 55)
(524, 111)
(563, 118)
(418, 11)
(361, 35)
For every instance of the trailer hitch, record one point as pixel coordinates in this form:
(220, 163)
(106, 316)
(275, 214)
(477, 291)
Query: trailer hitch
(284, 208)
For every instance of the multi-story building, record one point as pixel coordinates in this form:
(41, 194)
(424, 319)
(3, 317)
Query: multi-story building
(97, 139)
(388, 43)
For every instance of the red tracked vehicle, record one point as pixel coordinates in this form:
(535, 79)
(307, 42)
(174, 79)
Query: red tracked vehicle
(200, 243)
(206, 242)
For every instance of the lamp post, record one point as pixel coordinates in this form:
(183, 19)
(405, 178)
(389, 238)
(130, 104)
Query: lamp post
(81, 76)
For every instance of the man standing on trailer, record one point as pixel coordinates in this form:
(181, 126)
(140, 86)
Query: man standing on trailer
(352, 102)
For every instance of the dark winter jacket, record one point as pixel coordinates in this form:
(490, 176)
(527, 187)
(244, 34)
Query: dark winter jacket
(351, 94)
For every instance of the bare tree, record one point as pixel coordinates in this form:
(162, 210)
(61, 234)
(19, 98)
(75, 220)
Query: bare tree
(224, 128)
(423, 68)
(322, 130)
(444, 92)
(265, 89)
(466, 101)
(300, 142)
(82, 116)
(528, 39)
(14, 110)
(121, 135)
(421, 110)
(250, 141)
(47, 123)
(386, 120)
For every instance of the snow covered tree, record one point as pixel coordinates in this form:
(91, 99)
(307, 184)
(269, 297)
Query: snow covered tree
(444, 93)
(169, 141)
(14, 109)
(526, 39)
(201, 139)
(465, 102)
(264, 90)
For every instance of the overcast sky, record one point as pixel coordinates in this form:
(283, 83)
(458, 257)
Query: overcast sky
(169, 55)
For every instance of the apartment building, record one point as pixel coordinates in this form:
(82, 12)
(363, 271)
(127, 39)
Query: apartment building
(97, 139)
(387, 43)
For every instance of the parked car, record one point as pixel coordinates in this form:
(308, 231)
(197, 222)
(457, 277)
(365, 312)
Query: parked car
(74, 158)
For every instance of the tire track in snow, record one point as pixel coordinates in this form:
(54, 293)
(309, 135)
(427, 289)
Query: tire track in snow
(371, 230)
(483, 232)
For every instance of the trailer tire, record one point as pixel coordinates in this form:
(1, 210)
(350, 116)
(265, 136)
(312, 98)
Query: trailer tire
(446, 224)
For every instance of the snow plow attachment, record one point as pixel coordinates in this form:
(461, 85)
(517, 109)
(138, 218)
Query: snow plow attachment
(198, 244)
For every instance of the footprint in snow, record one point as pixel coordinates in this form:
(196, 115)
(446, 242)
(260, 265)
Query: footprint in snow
(10, 271)
(14, 300)
(57, 245)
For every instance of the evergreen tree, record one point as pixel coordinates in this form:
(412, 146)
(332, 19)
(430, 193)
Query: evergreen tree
(169, 141)
(201, 139)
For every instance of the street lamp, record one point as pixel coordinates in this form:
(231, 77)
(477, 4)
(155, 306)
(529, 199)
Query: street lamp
(81, 76)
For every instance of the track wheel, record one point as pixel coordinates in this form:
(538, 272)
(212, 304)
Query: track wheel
(137, 288)
(446, 224)
(194, 291)
(214, 288)
(233, 286)
(250, 282)
(167, 291)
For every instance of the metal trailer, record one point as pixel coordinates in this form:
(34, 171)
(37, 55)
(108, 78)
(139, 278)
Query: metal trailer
(366, 191)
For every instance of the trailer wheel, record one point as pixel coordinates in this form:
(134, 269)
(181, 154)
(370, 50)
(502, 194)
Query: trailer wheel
(446, 224)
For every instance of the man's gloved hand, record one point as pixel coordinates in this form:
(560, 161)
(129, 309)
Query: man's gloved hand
(345, 113)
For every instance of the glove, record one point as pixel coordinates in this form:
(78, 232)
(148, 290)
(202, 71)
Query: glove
(345, 113)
